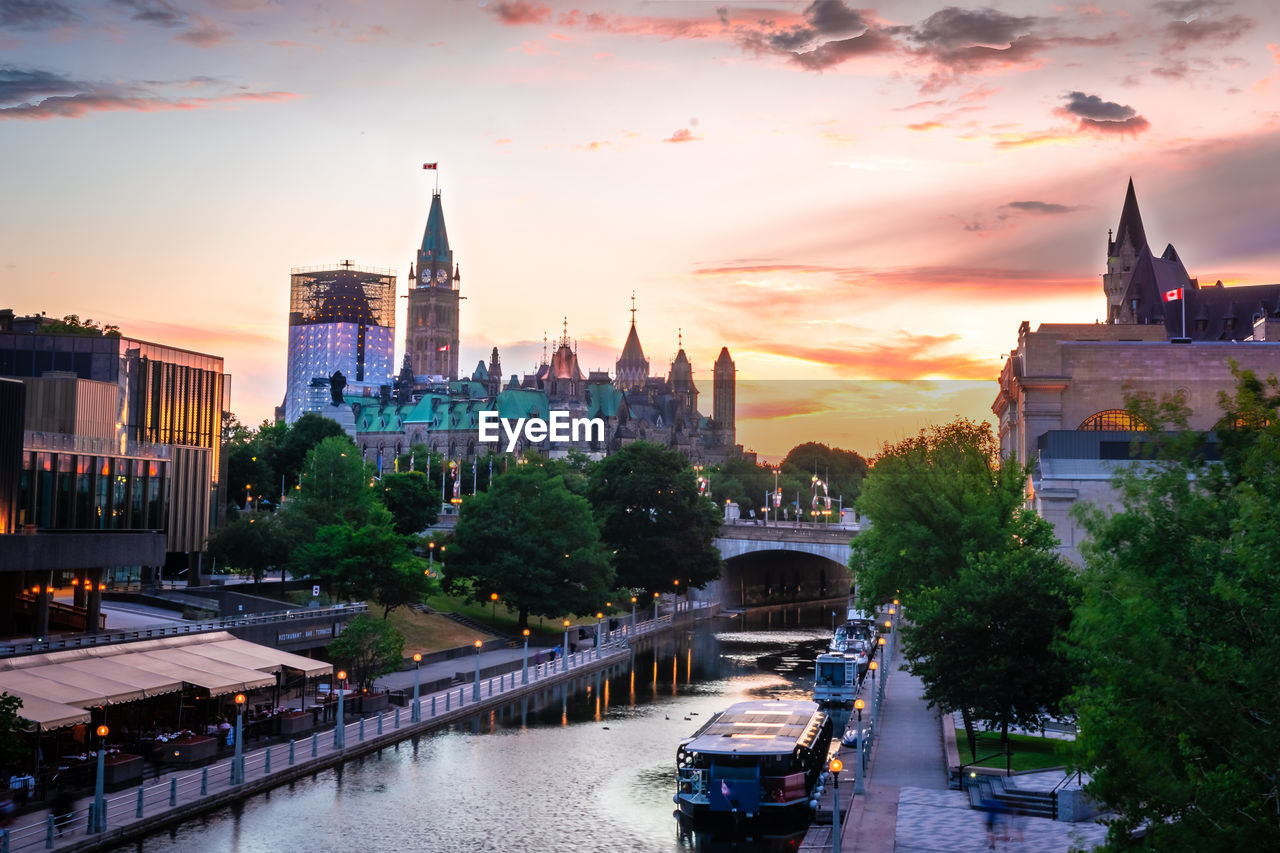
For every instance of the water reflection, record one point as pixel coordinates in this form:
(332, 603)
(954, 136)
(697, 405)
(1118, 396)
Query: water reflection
(590, 766)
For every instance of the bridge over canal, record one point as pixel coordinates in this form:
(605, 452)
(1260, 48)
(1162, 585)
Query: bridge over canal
(784, 563)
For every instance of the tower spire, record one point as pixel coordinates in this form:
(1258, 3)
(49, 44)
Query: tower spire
(633, 309)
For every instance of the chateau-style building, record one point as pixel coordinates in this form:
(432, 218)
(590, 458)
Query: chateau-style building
(1062, 398)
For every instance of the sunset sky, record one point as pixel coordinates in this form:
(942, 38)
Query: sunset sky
(837, 194)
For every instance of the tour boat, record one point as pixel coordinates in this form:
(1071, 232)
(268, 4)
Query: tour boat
(754, 760)
(836, 676)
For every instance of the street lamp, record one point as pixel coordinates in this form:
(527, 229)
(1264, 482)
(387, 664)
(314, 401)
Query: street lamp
(475, 688)
(431, 558)
(524, 667)
(100, 801)
(836, 766)
(655, 609)
(566, 645)
(633, 616)
(599, 631)
(340, 731)
(858, 705)
(675, 596)
(493, 596)
(237, 763)
(873, 666)
(415, 712)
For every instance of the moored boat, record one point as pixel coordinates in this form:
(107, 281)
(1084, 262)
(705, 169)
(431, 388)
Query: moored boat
(757, 759)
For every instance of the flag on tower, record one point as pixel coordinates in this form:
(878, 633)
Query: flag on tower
(444, 348)
(431, 166)
(1173, 295)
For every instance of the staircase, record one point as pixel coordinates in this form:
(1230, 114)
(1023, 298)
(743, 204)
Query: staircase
(473, 624)
(983, 789)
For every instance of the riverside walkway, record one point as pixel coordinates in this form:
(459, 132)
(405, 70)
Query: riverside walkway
(908, 807)
(180, 794)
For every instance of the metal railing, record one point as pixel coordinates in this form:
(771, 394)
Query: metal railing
(36, 646)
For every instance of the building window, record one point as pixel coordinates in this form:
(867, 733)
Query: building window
(1112, 420)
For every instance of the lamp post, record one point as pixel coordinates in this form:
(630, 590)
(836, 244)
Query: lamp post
(340, 731)
(415, 711)
(675, 596)
(475, 688)
(493, 596)
(655, 609)
(836, 766)
(633, 616)
(524, 666)
(873, 666)
(99, 801)
(431, 559)
(566, 645)
(599, 632)
(237, 763)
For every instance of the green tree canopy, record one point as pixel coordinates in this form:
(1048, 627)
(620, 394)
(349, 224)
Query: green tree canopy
(413, 503)
(12, 725)
(368, 648)
(1179, 628)
(934, 501)
(986, 643)
(534, 543)
(652, 517)
(336, 484)
(292, 449)
(254, 544)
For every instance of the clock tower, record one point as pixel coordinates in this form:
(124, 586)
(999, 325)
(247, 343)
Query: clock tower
(431, 329)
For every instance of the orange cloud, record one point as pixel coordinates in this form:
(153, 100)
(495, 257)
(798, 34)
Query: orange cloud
(682, 135)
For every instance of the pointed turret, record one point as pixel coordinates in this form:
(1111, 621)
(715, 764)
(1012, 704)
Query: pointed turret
(435, 259)
(1130, 227)
(723, 398)
(632, 367)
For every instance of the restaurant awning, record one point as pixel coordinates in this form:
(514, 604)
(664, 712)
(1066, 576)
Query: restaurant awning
(56, 686)
(49, 715)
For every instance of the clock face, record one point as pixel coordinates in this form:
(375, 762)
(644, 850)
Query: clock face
(442, 276)
(426, 276)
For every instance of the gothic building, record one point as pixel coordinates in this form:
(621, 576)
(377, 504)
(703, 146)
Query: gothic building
(429, 404)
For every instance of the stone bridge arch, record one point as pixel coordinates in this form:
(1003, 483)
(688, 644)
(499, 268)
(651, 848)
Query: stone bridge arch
(781, 565)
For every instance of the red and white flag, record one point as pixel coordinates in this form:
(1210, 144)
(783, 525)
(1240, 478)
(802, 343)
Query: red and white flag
(1173, 295)
(430, 166)
(444, 348)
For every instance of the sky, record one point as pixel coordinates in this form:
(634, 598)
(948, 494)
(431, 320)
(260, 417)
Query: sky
(859, 198)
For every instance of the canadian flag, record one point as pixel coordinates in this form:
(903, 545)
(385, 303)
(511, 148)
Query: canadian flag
(1173, 295)
(444, 348)
(430, 166)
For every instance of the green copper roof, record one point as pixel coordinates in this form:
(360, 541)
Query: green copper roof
(516, 404)
(435, 240)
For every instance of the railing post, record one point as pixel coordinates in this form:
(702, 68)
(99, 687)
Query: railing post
(292, 744)
(266, 768)
(48, 836)
(315, 744)
(173, 794)
(362, 729)
(433, 704)
(397, 723)
(138, 811)
(204, 781)
(446, 703)
(380, 721)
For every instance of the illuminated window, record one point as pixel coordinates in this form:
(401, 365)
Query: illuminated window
(1112, 420)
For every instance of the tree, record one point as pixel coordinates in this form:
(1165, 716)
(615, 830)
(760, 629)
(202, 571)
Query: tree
(336, 484)
(12, 725)
(934, 501)
(653, 518)
(414, 505)
(253, 545)
(986, 643)
(842, 470)
(291, 454)
(369, 648)
(1179, 627)
(369, 560)
(534, 543)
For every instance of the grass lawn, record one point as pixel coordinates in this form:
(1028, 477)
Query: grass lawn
(428, 632)
(1029, 752)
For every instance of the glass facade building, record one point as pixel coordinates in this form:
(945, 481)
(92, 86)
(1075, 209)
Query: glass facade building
(340, 319)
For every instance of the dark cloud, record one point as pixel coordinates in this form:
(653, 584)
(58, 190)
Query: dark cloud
(1136, 124)
(831, 53)
(953, 29)
(521, 12)
(1092, 107)
(825, 19)
(22, 84)
(1041, 207)
(34, 14)
(158, 12)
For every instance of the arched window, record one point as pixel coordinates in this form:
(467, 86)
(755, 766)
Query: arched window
(1112, 420)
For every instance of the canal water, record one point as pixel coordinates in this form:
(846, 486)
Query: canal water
(591, 768)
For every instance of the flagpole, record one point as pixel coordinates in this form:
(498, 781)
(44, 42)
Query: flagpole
(1184, 313)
